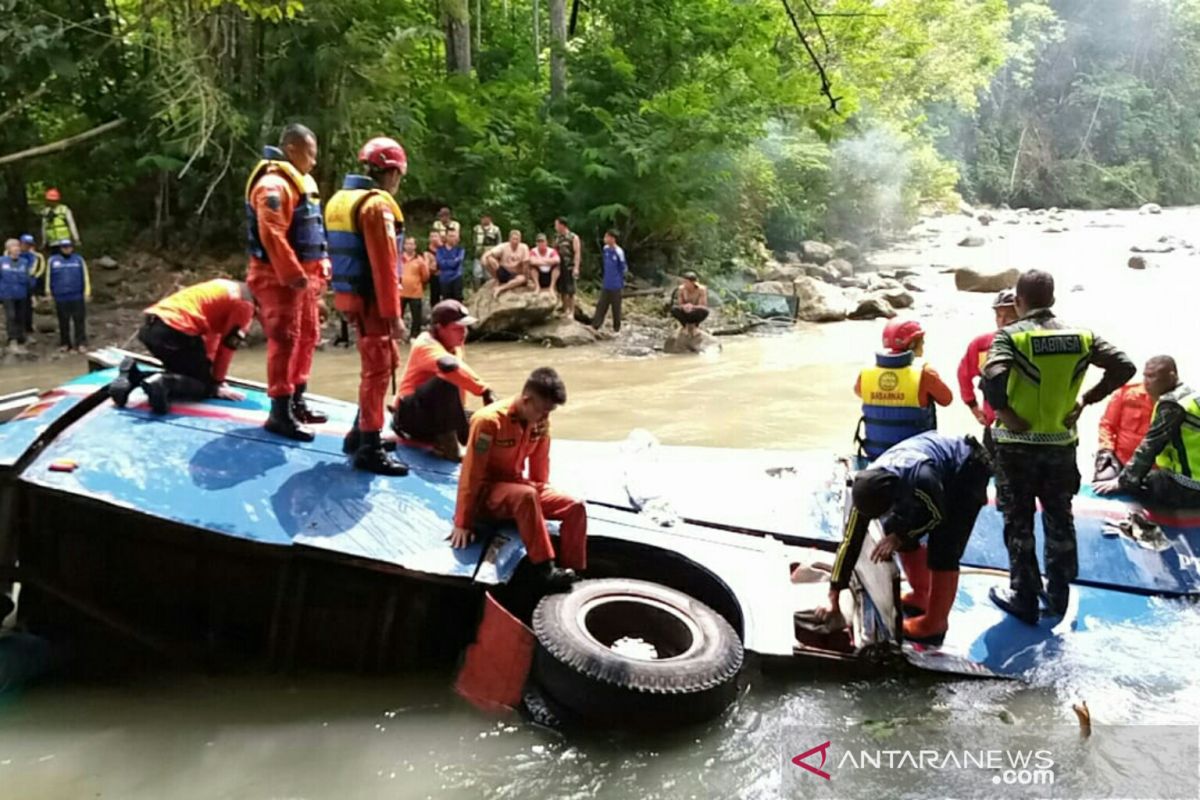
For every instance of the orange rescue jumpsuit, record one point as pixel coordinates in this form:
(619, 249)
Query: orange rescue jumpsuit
(274, 200)
(373, 316)
(493, 483)
(210, 310)
(309, 331)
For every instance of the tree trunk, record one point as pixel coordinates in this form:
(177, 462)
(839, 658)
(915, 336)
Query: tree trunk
(478, 27)
(456, 19)
(558, 49)
(537, 40)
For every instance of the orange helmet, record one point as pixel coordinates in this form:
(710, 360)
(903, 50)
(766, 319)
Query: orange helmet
(899, 334)
(52, 195)
(384, 153)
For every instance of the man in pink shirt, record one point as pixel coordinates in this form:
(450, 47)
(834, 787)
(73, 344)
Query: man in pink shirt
(975, 357)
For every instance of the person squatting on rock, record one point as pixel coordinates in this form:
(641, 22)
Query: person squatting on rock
(1033, 375)
(194, 333)
(365, 224)
(288, 252)
(505, 475)
(431, 405)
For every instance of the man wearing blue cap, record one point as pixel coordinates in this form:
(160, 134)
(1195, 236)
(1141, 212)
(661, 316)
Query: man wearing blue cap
(35, 265)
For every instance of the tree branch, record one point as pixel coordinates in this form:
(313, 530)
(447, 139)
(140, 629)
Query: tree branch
(826, 86)
(817, 22)
(62, 144)
(25, 100)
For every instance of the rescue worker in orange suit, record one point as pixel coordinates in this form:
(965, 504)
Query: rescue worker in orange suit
(309, 332)
(970, 369)
(495, 484)
(899, 390)
(930, 487)
(194, 333)
(366, 227)
(286, 244)
(432, 396)
(1122, 428)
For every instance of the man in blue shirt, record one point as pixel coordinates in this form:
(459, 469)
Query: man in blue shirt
(615, 269)
(35, 264)
(450, 257)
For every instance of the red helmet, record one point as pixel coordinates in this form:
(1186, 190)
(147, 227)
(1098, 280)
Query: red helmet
(384, 153)
(899, 334)
(52, 195)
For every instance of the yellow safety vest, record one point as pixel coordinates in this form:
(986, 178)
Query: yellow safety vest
(1182, 456)
(1047, 372)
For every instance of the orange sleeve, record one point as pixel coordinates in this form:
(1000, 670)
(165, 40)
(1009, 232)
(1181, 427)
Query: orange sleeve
(933, 387)
(474, 467)
(378, 225)
(1110, 423)
(539, 461)
(858, 385)
(274, 201)
(463, 377)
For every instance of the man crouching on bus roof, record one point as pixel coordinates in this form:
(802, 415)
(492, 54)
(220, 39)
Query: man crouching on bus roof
(504, 437)
(932, 485)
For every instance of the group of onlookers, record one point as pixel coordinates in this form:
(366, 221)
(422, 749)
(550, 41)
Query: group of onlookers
(26, 274)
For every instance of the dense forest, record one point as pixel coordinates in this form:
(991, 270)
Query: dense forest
(696, 128)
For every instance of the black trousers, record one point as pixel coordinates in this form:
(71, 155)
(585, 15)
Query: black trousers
(180, 353)
(71, 313)
(435, 408)
(965, 495)
(416, 312)
(1161, 490)
(694, 317)
(14, 319)
(435, 292)
(608, 297)
(452, 289)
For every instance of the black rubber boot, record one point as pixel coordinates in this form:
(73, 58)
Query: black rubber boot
(352, 441)
(371, 457)
(301, 411)
(158, 392)
(129, 377)
(282, 423)
(1055, 601)
(553, 578)
(446, 447)
(1008, 600)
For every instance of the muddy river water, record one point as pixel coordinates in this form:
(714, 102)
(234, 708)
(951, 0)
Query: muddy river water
(346, 737)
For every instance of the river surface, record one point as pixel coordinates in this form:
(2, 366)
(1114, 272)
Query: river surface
(318, 736)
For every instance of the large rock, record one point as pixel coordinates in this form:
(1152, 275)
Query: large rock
(1157, 247)
(513, 312)
(785, 274)
(822, 272)
(106, 262)
(985, 219)
(872, 307)
(770, 287)
(817, 252)
(698, 342)
(841, 266)
(853, 282)
(817, 301)
(847, 251)
(972, 241)
(562, 332)
(897, 297)
(967, 279)
(1150, 208)
(1137, 262)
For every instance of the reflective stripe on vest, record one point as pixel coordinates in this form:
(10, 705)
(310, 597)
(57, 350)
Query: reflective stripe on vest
(1047, 372)
(347, 248)
(306, 233)
(1181, 458)
(56, 223)
(66, 277)
(891, 395)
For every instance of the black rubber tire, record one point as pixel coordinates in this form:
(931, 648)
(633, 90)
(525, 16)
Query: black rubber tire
(697, 679)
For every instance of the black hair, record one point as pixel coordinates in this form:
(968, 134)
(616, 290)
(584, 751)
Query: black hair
(611, 232)
(295, 133)
(563, 220)
(377, 174)
(545, 383)
(1036, 289)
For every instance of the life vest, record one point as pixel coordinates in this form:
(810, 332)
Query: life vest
(1181, 458)
(306, 234)
(14, 278)
(1047, 372)
(347, 247)
(891, 395)
(56, 223)
(564, 243)
(67, 281)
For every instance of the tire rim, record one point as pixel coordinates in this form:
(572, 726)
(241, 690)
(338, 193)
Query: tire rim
(626, 625)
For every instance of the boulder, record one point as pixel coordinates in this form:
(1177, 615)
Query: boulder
(513, 312)
(872, 307)
(878, 282)
(1058, 229)
(967, 279)
(785, 274)
(853, 282)
(1137, 262)
(841, 266)
(106, 262)
(985, 219)
(817, 252)
(699, 342)
(897, 298)
(965, 208)
(973, 241)
(1152, 248)
(1150, 208)
(770, 287)
(913, 286)
(817, 301)
(847, 251)
(822, 272)
(562, 332)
